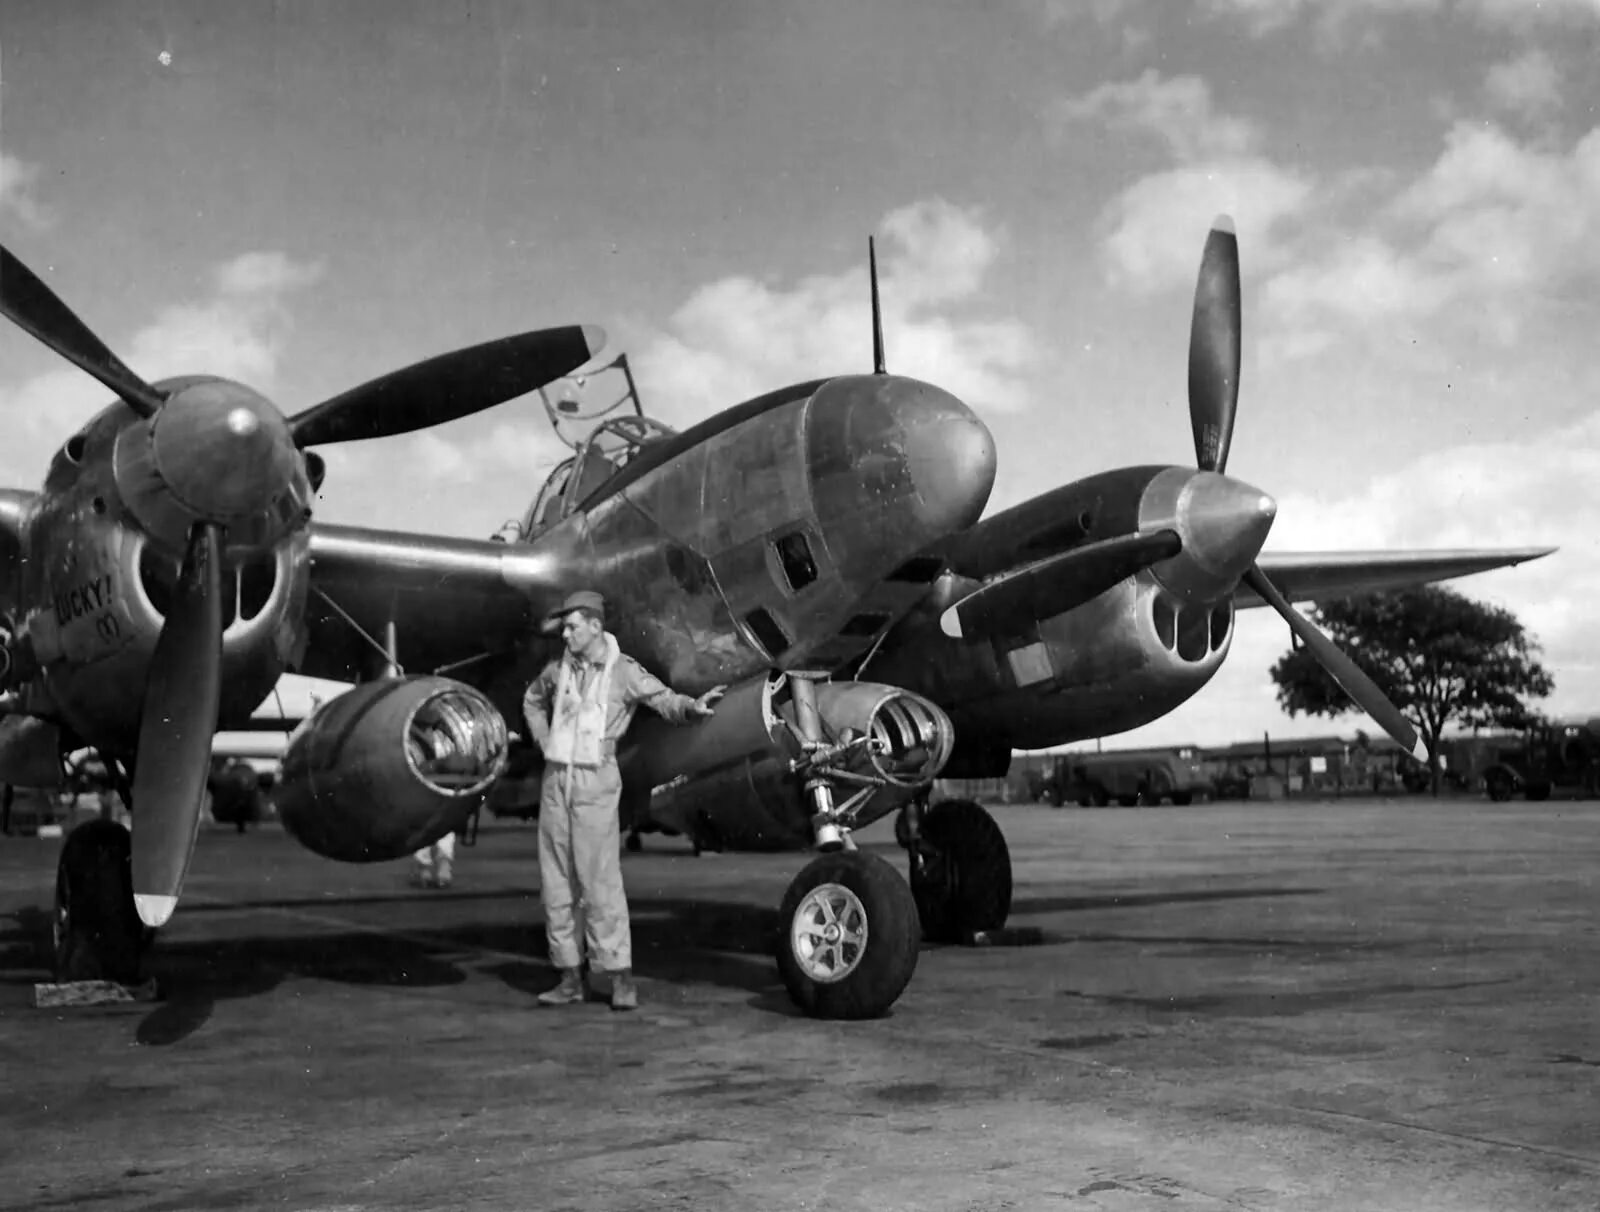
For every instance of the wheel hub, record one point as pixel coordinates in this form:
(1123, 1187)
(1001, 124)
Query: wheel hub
(828, 933)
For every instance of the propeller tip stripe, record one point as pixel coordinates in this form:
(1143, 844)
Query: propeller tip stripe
(594, 337)
(154, 908)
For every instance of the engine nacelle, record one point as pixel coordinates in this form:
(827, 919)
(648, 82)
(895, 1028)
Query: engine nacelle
(389, 767)
(731, 775)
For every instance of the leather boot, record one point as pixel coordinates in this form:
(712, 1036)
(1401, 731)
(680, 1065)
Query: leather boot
(568, 992)
(624, 993)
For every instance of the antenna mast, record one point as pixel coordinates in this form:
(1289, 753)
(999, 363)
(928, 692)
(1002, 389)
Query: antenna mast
(877, 312)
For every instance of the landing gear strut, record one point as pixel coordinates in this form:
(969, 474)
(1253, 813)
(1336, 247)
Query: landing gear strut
(96, 933)
(819, 791)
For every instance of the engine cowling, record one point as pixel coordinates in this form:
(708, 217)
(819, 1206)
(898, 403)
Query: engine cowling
(389, 767)
(731, 775)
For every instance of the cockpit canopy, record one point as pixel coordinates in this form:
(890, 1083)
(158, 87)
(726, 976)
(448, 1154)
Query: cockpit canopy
(605, 452)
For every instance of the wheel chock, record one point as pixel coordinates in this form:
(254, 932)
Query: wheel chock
(92, 993)
(1006, 936)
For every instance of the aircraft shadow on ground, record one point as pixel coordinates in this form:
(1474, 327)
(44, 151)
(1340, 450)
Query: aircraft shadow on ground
(1136, 900)
(676, 940)
(729, 945)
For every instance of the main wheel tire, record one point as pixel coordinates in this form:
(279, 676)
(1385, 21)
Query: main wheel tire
(962, 879)
(850, 936)
(902, 830)
(96, 932)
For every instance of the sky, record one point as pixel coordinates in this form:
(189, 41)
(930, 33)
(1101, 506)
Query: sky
(304, 196)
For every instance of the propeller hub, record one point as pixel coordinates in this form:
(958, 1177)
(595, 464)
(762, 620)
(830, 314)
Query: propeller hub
(1222, 522)
(217, 452)
(242, 422)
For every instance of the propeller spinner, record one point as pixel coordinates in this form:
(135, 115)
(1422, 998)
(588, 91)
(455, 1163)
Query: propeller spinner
(207, 455)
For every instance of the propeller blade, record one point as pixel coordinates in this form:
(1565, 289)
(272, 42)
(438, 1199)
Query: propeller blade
(1341, 668)
(448, 387)
(31, 305)
(1214, 344)
(1056, 585)
(181, 701)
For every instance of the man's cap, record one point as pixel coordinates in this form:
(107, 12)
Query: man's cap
(582, 599)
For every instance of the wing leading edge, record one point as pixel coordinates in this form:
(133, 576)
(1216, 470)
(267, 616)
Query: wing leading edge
(1309, 576)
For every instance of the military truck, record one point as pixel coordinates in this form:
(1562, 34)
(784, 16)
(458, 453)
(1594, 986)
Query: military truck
(1561, 759)
(1128, 777)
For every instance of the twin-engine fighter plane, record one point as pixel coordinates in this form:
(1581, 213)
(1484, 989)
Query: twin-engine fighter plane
(788, 548)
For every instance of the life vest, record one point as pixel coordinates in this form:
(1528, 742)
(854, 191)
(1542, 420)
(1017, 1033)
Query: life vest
(578, 720)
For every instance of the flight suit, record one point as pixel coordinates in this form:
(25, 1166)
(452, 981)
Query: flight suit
(576, 709)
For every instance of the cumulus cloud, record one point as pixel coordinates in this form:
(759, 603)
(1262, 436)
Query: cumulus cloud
(1528, 86)
(1510, 227)
(238, 331)
(738, 336)
(467, 478)
(18, 193)
(1062, 12)
(1153, 230)
(1151, 237)
(1526, 491)
(1338, 17)
(1178, 110)
(258, 274)
(1523, 14)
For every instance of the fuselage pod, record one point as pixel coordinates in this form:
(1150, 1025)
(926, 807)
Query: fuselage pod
(735, 774)
(389, 767)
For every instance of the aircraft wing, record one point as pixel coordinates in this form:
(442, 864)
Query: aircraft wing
(1324, 575)
(452, 601)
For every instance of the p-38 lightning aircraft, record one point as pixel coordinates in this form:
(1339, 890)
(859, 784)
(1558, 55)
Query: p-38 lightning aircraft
(168, 573)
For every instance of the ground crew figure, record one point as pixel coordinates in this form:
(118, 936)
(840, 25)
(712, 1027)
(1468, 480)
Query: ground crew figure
(575, 710)
(434, 862)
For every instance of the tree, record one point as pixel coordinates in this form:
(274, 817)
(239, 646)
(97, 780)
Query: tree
(1440, 657)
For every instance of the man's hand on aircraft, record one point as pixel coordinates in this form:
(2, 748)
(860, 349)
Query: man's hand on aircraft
(704, 705)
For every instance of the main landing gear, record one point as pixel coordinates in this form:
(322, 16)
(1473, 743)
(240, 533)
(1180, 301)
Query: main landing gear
(851, 926)
(96, 933)
(960, 869)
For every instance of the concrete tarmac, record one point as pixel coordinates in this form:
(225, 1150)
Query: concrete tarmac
(1350, 1005)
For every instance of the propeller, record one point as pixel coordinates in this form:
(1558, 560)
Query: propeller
(34, 307)
(439, 389)
(1214, 348)
(1056, 584)
(1214, 345)
(179, 719)
(449, 386)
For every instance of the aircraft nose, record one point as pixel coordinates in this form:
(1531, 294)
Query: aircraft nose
(895, 465)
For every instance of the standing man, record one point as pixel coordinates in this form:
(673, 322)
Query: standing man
(576, 709)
